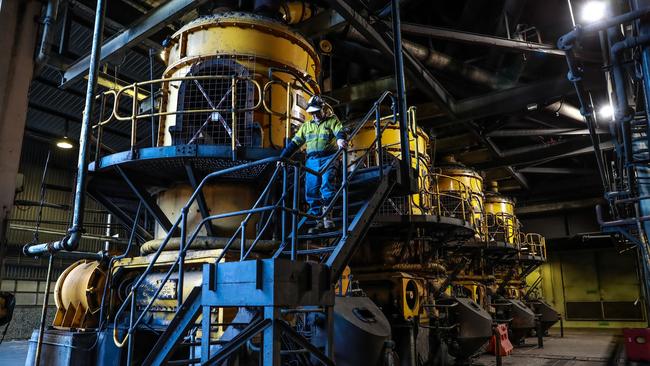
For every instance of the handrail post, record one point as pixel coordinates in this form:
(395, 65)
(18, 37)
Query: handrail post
(294, 214)
(345, 191)
(233, 135)
(380, 152)
(242, 243)
(287, 132)
(414, 124)
(181, 256)
(134, 118)
(284, 204)
(130, 333)
(100, 129)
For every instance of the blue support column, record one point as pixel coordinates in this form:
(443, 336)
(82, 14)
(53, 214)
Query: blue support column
(271, 338)
(205, 334)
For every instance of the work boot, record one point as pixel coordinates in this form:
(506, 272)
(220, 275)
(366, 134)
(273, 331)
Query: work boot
(320, 225)
(328, 224)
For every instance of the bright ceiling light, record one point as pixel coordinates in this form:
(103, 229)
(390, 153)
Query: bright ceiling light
(64, 143)
(593, 11)
(606, 111)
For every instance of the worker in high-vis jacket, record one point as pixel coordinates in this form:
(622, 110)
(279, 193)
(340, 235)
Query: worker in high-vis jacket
(324, 135)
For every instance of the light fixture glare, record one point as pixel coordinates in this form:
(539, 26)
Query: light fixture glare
(606, 111)
(593, 11)
(64, 143)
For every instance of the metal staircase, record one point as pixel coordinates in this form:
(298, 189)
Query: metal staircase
(298, 276)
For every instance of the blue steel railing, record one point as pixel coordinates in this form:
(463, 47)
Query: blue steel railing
(283, 164)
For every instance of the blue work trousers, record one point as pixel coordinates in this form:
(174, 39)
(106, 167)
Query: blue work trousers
(319, 190)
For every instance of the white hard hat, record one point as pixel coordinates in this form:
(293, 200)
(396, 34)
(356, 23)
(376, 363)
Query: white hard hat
(315, 104)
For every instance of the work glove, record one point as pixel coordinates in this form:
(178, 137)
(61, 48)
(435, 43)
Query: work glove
(342, 144)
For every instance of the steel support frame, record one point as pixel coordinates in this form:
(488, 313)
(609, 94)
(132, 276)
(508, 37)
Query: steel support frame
(498, 154)
(185, 318)
(270, 285)
(480, 39)
(541, 132)
(358, 227)
(544, 154)
(416, 72)
(151, 23)
(123, 217)
(146, 199)
(200, 198)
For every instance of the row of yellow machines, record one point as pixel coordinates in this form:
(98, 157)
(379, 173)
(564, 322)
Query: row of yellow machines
(451, 260)
(434, 274)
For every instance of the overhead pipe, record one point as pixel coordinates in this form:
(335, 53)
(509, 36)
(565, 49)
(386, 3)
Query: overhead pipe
(51, 14)
(353, 51)
(565, 109)
(623, 113)
(443, 62)
(72, 240)
(567, 40)
(400, 80)
(642, 208)
(566, 43)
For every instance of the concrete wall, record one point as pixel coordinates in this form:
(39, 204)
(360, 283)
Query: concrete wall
(26, 319)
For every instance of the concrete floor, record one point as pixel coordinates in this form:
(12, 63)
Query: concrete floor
(577, 348)
(13, 353)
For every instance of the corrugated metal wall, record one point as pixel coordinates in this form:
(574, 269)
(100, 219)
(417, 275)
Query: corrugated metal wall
(23, 218)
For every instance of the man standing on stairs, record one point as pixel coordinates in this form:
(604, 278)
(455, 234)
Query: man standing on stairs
(323, 134)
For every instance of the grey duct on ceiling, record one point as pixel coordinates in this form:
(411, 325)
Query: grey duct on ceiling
(443, 62)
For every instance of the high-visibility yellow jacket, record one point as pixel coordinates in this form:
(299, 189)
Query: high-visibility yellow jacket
(320, 137)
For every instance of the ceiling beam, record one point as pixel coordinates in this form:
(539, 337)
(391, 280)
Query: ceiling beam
(151, 23)
(505, 101)
(576, 146)
(415, 71)
(73, 118)
(556, 170)
(558, 206)
(364, 91)
(480, 39)
(498, 154)
(541, 132)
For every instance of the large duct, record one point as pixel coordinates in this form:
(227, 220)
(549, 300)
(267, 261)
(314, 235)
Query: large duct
(443, 62)
(562, 108)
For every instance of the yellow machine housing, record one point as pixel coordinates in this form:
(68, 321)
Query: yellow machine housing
(454, 177)
(418, 204)
(78, 295)
(275, 69)
(502, 224)
(259, 45)
(476, 289)
(402, 292)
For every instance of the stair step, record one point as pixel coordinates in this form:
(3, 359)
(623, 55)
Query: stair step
(353, 204)
(313, 251)
(368, 175)
(321, 235)
(335, 219)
